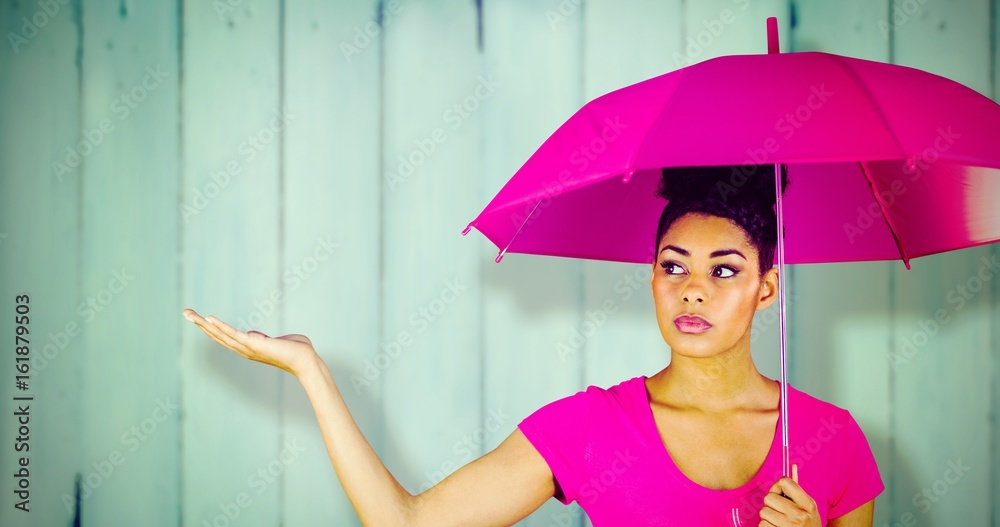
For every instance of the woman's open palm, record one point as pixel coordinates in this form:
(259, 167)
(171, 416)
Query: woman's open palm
(292, 353)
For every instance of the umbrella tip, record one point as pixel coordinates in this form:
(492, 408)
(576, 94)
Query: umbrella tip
(772, 35)
(499, 256)
(467, 228)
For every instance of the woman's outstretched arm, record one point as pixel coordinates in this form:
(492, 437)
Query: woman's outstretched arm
(497, 489)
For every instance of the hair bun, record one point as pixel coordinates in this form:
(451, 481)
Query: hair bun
(745, 183)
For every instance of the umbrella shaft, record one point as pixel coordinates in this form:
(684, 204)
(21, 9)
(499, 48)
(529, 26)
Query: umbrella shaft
(785, 468)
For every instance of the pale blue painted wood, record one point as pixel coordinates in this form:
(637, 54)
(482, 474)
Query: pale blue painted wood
(994, 490)
(995, 309)
(432, 395)
(231, 260)
(840, 318)
(529, 302)
(942, 397)
(843, 318)
(130, 404)
(40, 256)
(730, 27)
(623, 47)
(995, 305)
(331, 227)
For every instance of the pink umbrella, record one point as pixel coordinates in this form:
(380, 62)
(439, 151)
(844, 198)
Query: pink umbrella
(889, 162)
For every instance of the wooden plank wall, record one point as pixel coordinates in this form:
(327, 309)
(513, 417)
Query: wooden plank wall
(299, 166)
(40, 254)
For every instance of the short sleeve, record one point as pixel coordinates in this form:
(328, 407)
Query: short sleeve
(858, 481)
(558, 431)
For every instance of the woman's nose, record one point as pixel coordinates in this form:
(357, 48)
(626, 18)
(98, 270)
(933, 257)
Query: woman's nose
(694, 292)
(691, 297)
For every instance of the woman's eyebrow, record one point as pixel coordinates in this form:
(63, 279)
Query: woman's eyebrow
(715, 254)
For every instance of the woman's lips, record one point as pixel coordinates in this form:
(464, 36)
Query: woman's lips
(691, 324)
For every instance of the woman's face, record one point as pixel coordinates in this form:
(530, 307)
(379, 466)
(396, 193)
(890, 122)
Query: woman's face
(706, 266)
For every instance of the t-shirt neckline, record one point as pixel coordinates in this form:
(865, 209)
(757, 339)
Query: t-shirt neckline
(750, 485)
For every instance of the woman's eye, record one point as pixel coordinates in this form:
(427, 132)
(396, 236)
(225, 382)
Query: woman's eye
(732, 272)
(668, 265)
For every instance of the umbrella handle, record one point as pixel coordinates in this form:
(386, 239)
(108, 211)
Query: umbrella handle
(772, 35)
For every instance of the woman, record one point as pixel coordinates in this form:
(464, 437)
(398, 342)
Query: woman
(697, 443)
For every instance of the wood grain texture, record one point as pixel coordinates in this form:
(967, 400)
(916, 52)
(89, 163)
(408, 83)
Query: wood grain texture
(331, 227)
(297, 166)
(942, 394)
(40, 244)
(231, 260)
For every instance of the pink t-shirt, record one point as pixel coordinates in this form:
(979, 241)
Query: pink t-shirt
(606, 454)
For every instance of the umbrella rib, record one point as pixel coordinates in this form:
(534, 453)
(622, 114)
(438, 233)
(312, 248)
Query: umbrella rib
(871, 98)
(504, 250)
(885, 214)
(631, 168)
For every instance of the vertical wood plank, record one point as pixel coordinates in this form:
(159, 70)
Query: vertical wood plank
(231, 258)
(432, 388)
(333, 182)
(943, 381)
(839, 335)
(622, 47)
(129, 244)
(530, 303)
(40, 254)
(995, 305)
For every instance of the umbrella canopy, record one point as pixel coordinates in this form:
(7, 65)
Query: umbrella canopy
(888, 162)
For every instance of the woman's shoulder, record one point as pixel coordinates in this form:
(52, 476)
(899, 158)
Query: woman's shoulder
(807, 401)
(601, 394)
(580, 407)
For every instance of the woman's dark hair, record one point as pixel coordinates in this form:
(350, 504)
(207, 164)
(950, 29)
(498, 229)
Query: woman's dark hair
(743, 194)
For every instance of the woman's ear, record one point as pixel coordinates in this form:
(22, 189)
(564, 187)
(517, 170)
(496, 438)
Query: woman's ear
(768, 292)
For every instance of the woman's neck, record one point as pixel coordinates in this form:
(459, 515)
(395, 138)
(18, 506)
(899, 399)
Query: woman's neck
(723, 383)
